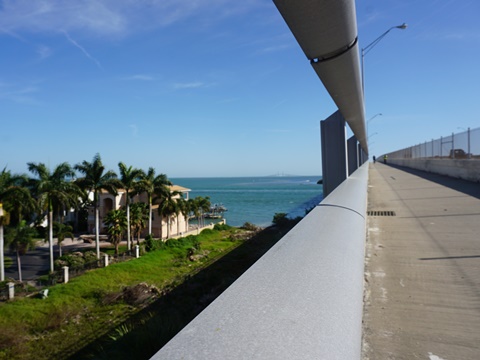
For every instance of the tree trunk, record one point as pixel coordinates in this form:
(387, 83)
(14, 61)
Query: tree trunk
(97, 231)
(50, 237)
(75, 224)
(129, 244)
(2, 259)
(19, 265)
(150, 215)
(161, 227)
(168, 227)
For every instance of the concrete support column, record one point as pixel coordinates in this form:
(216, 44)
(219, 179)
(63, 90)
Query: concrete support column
(363, 157)
(354, 158)
(137, 251)
(334, 152)
(65, 275)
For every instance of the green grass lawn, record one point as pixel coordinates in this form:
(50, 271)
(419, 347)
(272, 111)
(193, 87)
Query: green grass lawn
(90, 305)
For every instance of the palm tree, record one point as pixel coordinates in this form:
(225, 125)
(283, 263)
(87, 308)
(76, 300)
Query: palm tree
(53, 192)
(152, 184)
(61, 232)
(15, 201)
(202, 205)
(194, 209)
(129, 178)
(21, 240)
(139, 219)
(95, 180)
(116, 222)
(167, 206)
(185, 209)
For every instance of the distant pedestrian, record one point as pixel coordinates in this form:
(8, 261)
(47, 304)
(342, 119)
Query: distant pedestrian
(374, 159)
(385, 157)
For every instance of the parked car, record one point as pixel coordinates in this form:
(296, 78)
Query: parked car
(457, 154)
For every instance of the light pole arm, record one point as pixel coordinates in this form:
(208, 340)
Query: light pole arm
(370, 46)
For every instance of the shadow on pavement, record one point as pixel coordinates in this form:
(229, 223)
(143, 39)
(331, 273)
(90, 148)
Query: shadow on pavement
(467, 187)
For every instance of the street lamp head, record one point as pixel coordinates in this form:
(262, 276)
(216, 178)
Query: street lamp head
(373, 117)
(403, 26)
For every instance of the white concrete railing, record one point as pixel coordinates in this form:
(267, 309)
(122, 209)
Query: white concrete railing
(196, 231)
(302, 300)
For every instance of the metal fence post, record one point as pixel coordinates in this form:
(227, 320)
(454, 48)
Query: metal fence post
(453, 145)
(441, 146)
(469, 154)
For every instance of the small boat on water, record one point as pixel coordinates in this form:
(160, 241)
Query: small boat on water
(216, 211)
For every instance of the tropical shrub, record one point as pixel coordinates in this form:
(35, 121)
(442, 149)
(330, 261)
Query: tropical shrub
(221, 227)
(250, 226)
(280, 219)
(149, 243)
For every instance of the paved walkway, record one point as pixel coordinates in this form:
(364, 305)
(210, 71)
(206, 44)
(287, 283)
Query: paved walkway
(422, 298)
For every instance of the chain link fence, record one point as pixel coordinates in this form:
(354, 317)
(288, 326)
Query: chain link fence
(463, 145)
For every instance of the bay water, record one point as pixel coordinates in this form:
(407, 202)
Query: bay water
(257, 199)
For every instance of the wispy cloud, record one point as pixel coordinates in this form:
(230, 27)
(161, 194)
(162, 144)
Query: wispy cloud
(43, 52)
(372, 15)
(12, 34)
(142, 77)
(20, 95)
(85, 52)
(277, 131)
(190, 85)
(464, 36)
(280, 103)
(134, 129)
(98, 17)
(110, 17)
(275, 48)
(228, 101)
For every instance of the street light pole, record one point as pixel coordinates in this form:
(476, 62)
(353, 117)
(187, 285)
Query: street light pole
(376, 133)
(373, 117)
(370, 46)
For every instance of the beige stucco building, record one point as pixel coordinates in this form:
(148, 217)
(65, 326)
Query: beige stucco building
(107, 202)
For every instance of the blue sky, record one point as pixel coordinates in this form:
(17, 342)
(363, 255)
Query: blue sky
(219, 87)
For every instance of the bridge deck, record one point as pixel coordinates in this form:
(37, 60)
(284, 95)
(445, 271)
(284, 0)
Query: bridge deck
(422, 286)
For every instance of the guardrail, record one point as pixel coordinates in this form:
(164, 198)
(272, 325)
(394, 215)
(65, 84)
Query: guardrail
(302, 300)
